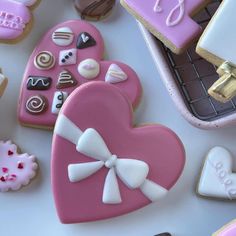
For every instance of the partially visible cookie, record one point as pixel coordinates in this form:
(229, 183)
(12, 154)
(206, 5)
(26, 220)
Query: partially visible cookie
(94, 9)
(3, 83)
(169, 21)
(15, 19)
(217, 179)
(163, 234)
(227, 230)
(221, 52)
(16, 170)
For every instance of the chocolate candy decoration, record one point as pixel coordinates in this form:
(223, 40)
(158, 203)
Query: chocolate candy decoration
(66, 80)
(94, 9)
(85, 40)
(36, 105)
(163, 234)
(38, 83)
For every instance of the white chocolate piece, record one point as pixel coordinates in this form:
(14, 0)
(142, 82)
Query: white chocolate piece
(115, 74)
(68, 57)
(89, 69)
(63, 36)
(217, 179)
(58, 101)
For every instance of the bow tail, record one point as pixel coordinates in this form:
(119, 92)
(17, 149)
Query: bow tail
(111, 192)
(152, 190)
(80, 171)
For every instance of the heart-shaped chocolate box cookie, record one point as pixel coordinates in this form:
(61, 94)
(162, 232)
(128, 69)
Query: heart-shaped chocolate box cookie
(122, 168)
(70, 54)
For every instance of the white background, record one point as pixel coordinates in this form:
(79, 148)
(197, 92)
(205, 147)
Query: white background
(31, 211)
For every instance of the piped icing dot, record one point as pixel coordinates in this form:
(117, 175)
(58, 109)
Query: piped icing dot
(89, 69)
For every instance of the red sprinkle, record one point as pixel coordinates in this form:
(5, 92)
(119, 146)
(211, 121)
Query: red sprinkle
(5, 170)
(10, 153)
(20, 165)
(3, 179)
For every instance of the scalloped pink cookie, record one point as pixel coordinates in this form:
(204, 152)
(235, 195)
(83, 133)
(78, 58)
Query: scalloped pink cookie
(227, 230)
(16, 170)
(103, 166)
(68, 56)
(15, 19)
(169, 20)
(3, 83)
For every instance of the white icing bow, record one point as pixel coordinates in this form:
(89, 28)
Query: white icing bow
(133, 173)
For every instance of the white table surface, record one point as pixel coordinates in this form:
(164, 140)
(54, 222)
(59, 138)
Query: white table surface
(31, 211)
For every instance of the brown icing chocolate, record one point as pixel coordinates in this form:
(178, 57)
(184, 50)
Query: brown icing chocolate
(94, 9)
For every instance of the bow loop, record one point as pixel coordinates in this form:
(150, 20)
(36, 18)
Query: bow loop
(132, 172)
(92, 144)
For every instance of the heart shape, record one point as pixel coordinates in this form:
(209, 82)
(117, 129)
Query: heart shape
(60, 63)
(102, 107)
(16, 169)
(217, 179)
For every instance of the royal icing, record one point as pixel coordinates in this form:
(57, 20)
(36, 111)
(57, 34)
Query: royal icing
(16, 169)
(69, 66)
(217, 179)
(38, 83)
(58, 101)
(94, 9)
(14, 18)
(170, 21)
(228, 230)
(36, 105)
(211, 41)
(63, 36)
(44, 60)
(89, 69)
(96, 157)
(27, 2)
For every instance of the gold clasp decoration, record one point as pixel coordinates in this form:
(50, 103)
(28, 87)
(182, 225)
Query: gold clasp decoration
(224, 89)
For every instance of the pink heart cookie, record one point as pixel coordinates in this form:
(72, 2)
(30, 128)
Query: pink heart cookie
(16, 170)
(15, 19)
(68, 55)
(104, 167)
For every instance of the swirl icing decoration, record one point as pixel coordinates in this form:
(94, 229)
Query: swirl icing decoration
(44, 60)
(36, 105)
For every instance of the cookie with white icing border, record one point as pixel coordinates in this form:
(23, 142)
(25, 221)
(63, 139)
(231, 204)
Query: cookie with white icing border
(3, 83)
(217, 178)
(103, 166)
(16, 19)
(227, 230)
(221, 52)
(69, 55)
(16, 170)
(170, 21)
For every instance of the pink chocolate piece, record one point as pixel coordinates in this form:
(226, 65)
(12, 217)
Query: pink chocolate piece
(103, 107)
(16, 169)
(131, 87)
(14, 16)
(157, 12)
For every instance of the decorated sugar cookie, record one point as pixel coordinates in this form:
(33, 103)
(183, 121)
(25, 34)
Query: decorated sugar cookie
(170, 21)
(15, 19)
(3, 83)
(16, 170)
(68, 56)
(94, 9)
(217, 179)
(103, 166)
(227, 230)
(221, 52)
